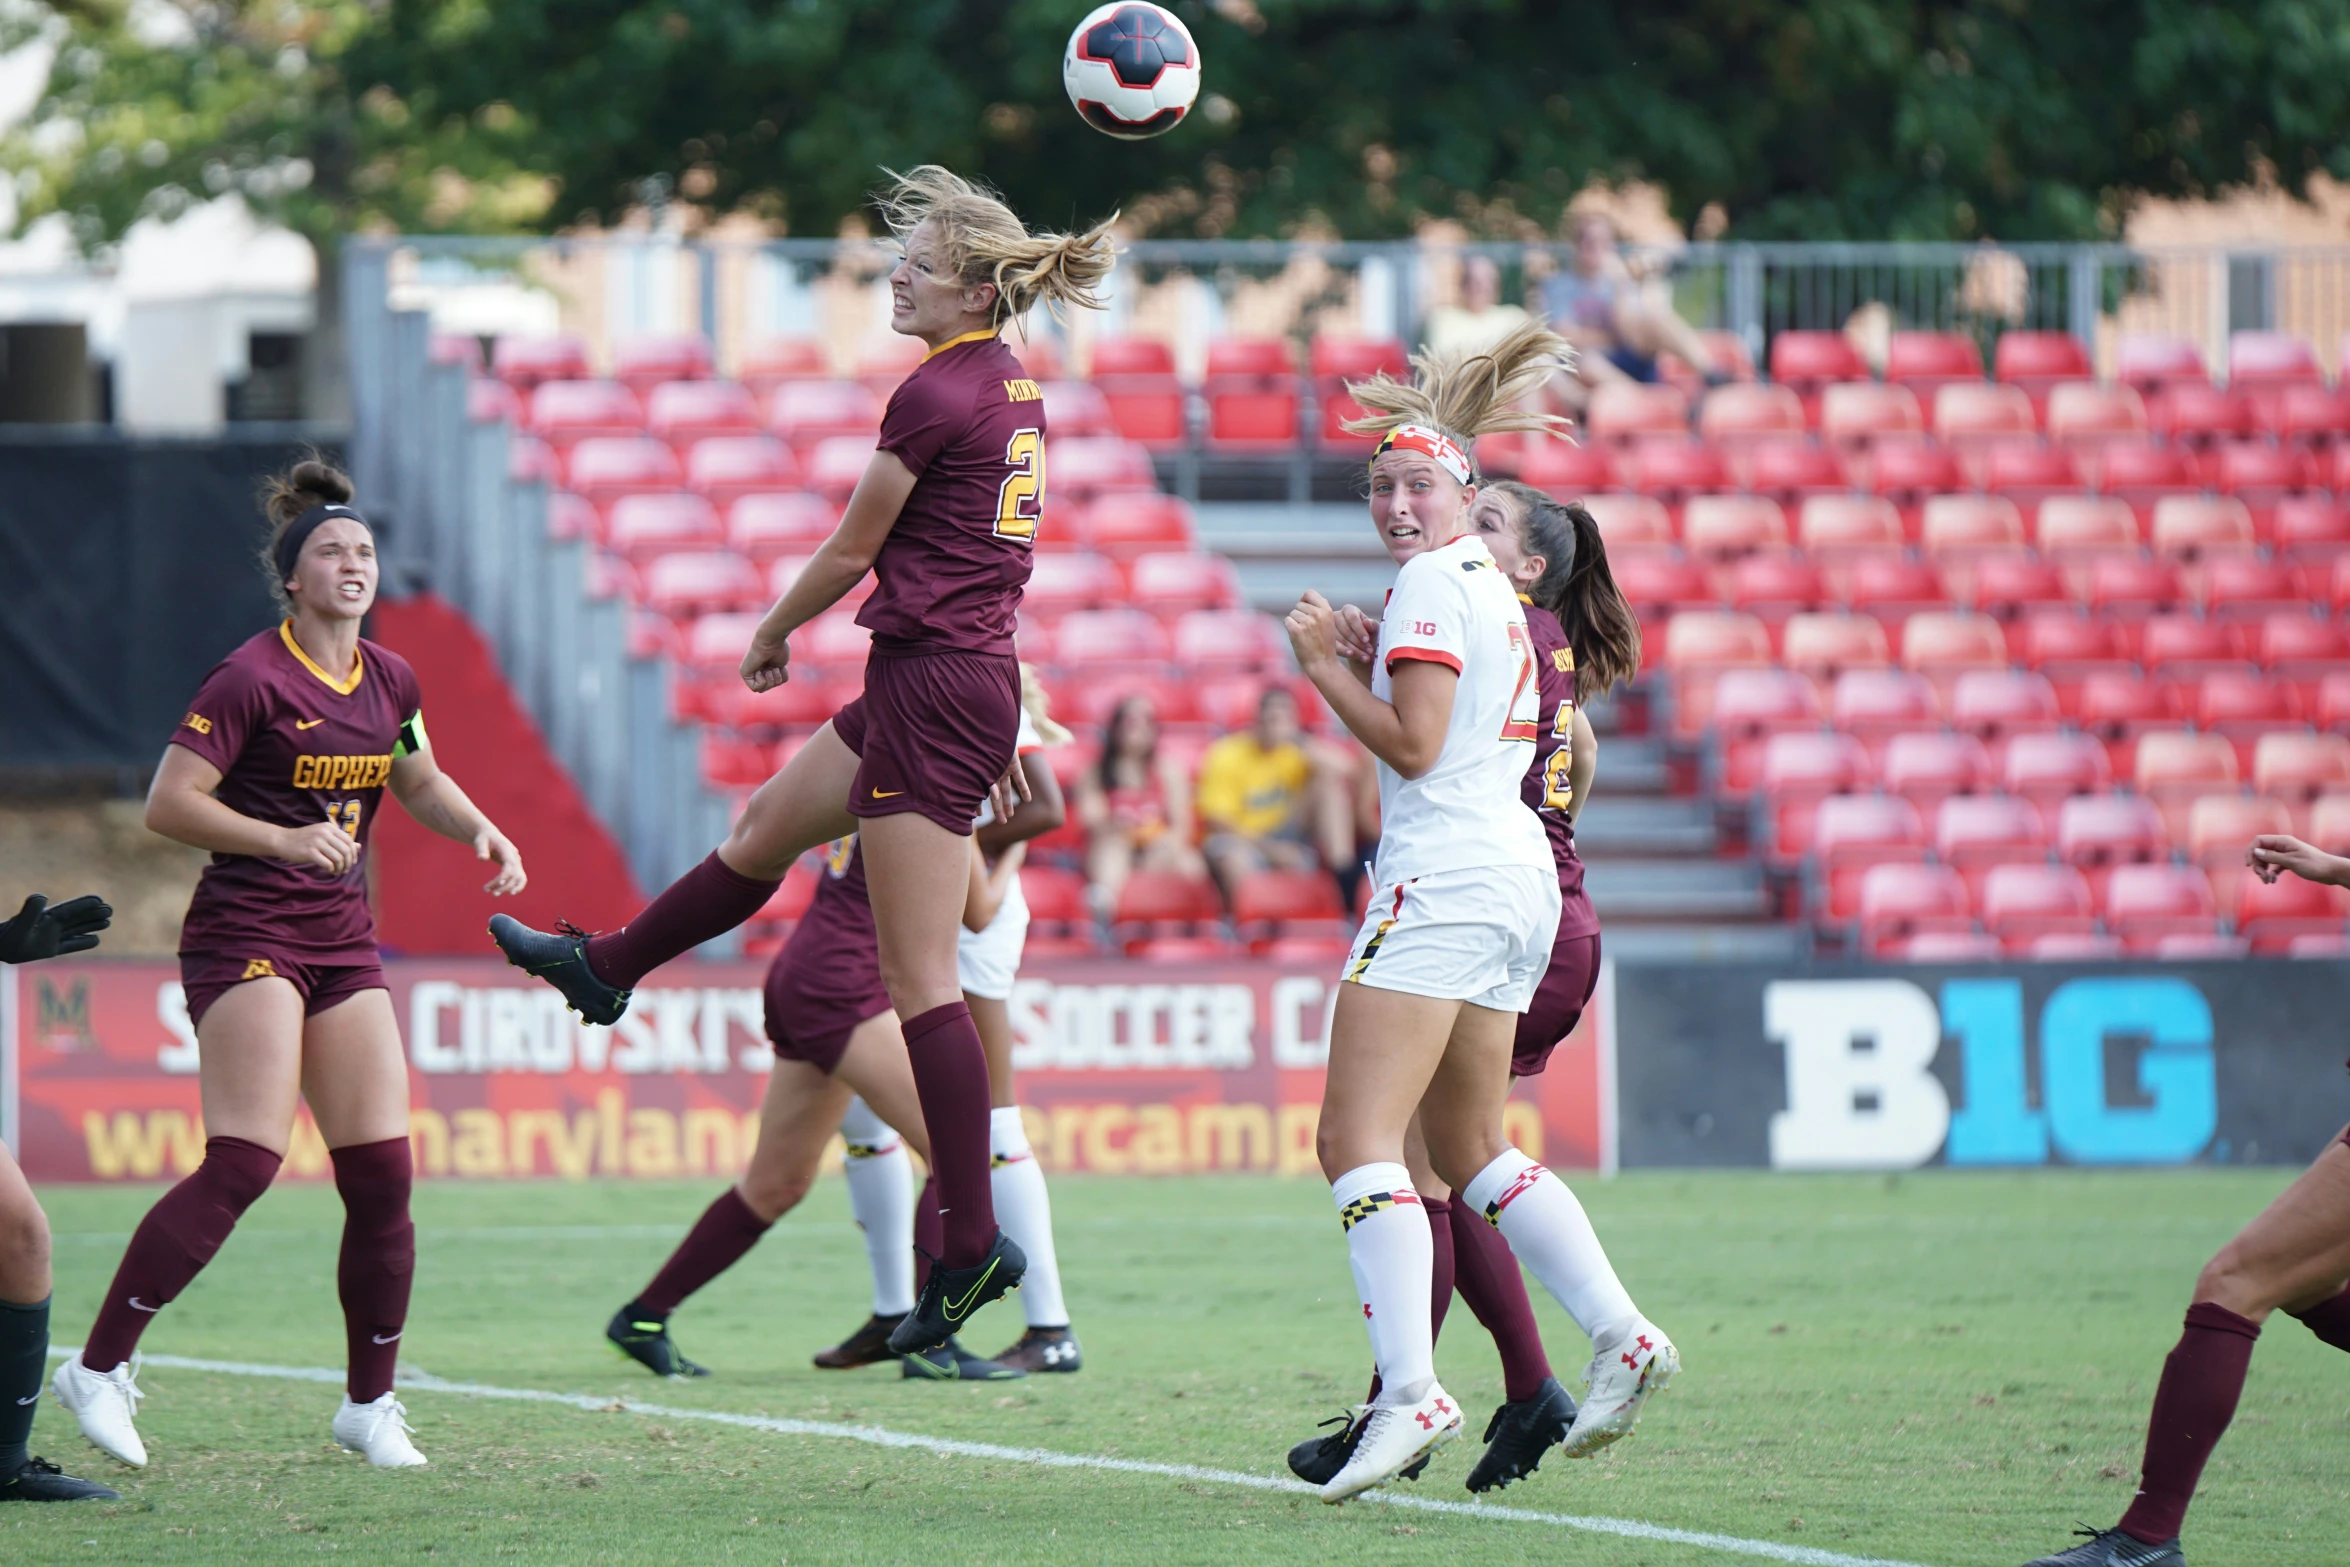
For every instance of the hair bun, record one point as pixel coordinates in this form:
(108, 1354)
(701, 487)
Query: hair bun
(325, 485)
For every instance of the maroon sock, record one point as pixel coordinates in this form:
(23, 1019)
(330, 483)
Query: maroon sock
(378, 1262)
(1487, 1275)
(709, 900)
(950, 1075)
(2329, 1320)
(181, 1233)
(2193, 1404)
(720, 1238)
(1439, 1276)
(930, 1232)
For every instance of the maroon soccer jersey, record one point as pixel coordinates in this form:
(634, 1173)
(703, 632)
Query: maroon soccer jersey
(1545, 789)
(969, 425)
(296, 745)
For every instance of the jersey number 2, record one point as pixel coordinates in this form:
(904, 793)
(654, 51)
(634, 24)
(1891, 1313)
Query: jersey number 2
(1020, 500)
(1514, 727)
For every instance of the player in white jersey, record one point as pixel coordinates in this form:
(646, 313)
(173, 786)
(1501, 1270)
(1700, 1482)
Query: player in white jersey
(1464, 909)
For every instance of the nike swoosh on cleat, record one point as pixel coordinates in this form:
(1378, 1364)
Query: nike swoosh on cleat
(380, 1339)
(136, 1305)
(955, 1312)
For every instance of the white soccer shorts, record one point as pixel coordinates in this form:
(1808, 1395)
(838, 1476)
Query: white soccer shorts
(989, 960)
(1482, 936)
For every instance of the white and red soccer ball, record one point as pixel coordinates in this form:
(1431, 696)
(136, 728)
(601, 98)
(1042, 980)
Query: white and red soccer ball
(1131, 69)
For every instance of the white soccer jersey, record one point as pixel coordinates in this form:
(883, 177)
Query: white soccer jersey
(1453, 606)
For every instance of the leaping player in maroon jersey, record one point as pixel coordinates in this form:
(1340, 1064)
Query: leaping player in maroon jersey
(945, 517)
(2294, 1258)
(279, 768)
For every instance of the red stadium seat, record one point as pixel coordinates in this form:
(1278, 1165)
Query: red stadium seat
(884, 361)
(2028, 473)
(1852, 832)
(2243, 706)
(1800, 769)
(1272, 904)
(2119, 707)
(1125, 524)
(1944, 946)
(2329, 823)
(764, 526)
(2178, 646)
(2309, 528)
(1674, 470)
(2144, 903)
(1826, 645)
(644, 362)
(1061, 583)
(1154, 906)
(2192, 415)
(1719, 527)
(2272, 359)
(1968, 416)
(1568, 472)
(1086, 467)
(525, 362)
(1943, 644)
(488, 402)
(2272, 915)
(2008, 586)
(2260, 476)
(834, 641)
(1077, 408)
(772, 361)
(1630, 519)
(2065, 645)
(461, 349)
(2299, 767)
(2023, 902)
(2174, 767)
(1170, 584)
(702, 582)
(837, 462)
(607, 467)
(1890, 590)
(1860, 414)
(2139, 476)
(1974, 832)
(2330, 707)
(1996, 705)
(2076, 527)
(564, 413)
(2098, 831)
(2245, 587)
(1742, 413)
(1132, 356)
(2125, 586)
(724, 468)
(1751, 704)
(570, 517)
(1836, 528)
(1227, 642)
(1907, 474)
(1877, 703)
(1715, 639)
(736, 764)
(2150, 362)
(713, 645)
(1809, 361)
(2064, 947)
(2039, 361)
(1653, 582)
(1252, 392)
(2047, 768)
(2089, 417)
(2220, 830)
(1901, 901)
(1137, 377)
(644, 526)
(1925, 362)
(1791, 470)
(1970, 524)
(1333, 362)
(1775, 586)
(1926, 767)
(1621, 411)
(2307, 415)
(1106, 641)
(805, 412)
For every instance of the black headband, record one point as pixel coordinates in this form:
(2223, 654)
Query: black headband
(297, 534)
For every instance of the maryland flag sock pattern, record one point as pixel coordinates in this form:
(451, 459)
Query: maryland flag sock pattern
(1370, 1203)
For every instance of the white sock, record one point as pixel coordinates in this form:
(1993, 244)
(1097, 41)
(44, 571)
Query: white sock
(1025, 1210)
(1552, 1236)
(881, 1197)
(1394, 1260)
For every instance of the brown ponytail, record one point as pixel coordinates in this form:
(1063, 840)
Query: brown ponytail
(284, 498)
(1577, 586)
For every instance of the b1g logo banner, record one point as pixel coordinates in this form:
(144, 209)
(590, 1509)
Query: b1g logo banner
(1125, 1069)
(1888, 1067)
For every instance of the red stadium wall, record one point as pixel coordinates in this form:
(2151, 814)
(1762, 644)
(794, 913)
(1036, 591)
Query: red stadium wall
(427, 889)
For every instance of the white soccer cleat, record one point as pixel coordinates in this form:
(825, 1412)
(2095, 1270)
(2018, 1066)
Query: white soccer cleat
(379, 1430)
(1395, 1437)
(1622, 1375)
(103, 1402)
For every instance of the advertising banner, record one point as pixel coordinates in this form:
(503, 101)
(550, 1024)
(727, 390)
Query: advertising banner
(1887, 1067)
(1125, 1069)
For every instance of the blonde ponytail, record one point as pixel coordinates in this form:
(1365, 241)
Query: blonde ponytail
(985, 242)
(1468, 395)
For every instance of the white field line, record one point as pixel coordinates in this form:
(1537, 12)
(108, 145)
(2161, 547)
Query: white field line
(879, 1436)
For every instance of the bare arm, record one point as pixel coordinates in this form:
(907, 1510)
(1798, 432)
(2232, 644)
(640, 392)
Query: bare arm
(1043, 811)
(1175, 789)
(985, 897)
(1582, 764)
(433, 798)
(181, 807)
(838, 565)
(1407, 734)
(2272, 853)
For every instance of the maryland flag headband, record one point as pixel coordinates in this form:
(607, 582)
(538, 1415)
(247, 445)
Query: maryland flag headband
(1428, 443)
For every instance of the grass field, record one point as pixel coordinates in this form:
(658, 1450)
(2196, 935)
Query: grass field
(1945, 1369)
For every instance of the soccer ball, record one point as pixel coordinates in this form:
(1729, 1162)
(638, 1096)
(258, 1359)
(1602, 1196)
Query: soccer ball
(1131, 69)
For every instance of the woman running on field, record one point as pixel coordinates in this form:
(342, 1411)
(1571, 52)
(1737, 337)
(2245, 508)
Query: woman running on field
(2294, 1258)
(840, 1065)
(1586, 642)
(1464, 912)
(279, 769)
(945, 517)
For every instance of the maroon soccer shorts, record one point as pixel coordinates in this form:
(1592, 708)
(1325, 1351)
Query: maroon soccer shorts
(932, 732)
(207, 976)
(1558, 1002)
(822, 985)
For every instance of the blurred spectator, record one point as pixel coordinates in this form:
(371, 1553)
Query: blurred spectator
(1268, 802)
(1480, 320)
(1618, 324)
(1134, 804)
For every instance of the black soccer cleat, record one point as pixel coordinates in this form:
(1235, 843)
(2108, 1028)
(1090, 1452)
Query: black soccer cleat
(2112, 1548)
(38, 1480)
(560, 958)
(1519, 1434)
(952, 1295)
(868, 1346)
(951, 1362)
(1317, 1459)
(1043, 1350)
(644, 1338)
